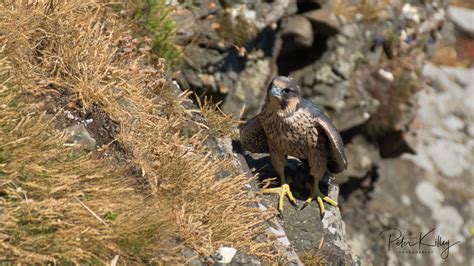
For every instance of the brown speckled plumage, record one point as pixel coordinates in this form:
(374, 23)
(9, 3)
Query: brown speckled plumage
(289, 125)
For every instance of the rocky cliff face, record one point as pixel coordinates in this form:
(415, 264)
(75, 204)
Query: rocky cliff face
(407, 125)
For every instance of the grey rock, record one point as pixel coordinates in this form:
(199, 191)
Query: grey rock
(331, 83)
(186, 25)
(192, 77)
(454, 123)
(445, 114)
(281, 244)
(272, 12)
(470, 130)
(429, 195)
(425, 190)
(217, 256)
(305, 227)
(462, 76)
(444, 82)
(244, 259)
(468, 103)
(449, 157)
(448, 33)
(362, 155)
(199, 58)
(330, 96)
(463, 18)
(326, 75)
(345, 67)
(384, 210)
(350, 117)
(341, 39)
(191, 257)
(81, 136)
(298, 31)
(249, 89)
(350, 30)
(203, 7)
(322, 16)
(358, 104)
(447, 218)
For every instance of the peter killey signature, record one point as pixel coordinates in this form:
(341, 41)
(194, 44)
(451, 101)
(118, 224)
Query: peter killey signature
(397, 238)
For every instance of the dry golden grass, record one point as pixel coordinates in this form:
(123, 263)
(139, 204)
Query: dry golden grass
(463, 3)
(220, 124)
(461, 54)
(343, 8)
(51, 192)
(160, 184)
(370, 10)
(314, 256)
(446, 55)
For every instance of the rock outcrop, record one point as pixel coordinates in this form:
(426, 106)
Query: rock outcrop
(409, 146)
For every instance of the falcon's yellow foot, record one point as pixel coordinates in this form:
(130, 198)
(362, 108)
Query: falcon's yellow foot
(320, 198)
(320, 202)
(281, 191)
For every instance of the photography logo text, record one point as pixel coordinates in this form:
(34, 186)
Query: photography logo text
(424, 243)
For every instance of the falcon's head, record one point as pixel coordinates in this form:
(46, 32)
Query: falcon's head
(283, 95)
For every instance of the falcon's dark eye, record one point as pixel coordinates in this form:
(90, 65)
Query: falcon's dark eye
(286, 91)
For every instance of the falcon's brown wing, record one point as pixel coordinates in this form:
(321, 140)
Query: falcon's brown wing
(337, 158)
(253, 137)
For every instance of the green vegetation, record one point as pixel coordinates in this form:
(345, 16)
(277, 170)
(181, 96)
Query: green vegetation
(111, 216)
(4, 156)
(155, 23)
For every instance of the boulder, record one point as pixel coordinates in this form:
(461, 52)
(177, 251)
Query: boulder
(463, 18)
(80, 135)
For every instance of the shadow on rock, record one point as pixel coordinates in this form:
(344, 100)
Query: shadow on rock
(296, 173)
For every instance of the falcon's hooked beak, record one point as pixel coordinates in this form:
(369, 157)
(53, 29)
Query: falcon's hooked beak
(275, 92)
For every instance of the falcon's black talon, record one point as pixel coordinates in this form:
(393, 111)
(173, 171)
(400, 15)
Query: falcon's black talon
(322, 215)
(295, 204)
(280, 214)
(304, 205)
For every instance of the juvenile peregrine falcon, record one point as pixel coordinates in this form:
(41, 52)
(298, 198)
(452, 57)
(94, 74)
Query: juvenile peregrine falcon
(289, 125)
